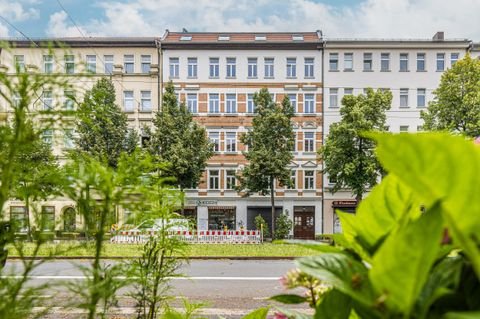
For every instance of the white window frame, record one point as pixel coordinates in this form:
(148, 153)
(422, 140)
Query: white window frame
(293, 100)
(230, 180)
(214, 103)
(146, 101)
(250, 104)
(440, 62)
(48, 63)
(68, 138)
(403, 128)
(230, 103)
(128, 101)
(231, 142)
(269, 68)
(215, 178)
(47, 100)
(403, 62)
(174, 67)
(309, 104)
(20, 61)
(192, 102)
(421, 61)
(348, 61)
(309, 143)
(333, 61)
(68, 102)
(454, 58)
(192, 67)
(347, 91)
(333, 97)
(91, 64)
(293, 177)
(291, 68)
(129, 63)
(145, 63)
(404, 92)
(108, 63)
(252, 71)
(214, 137)
(309, 181)
(214, 68)
(231, 68)
(309, 68)
(69, 60)
(384, 61)
(421, 97)
(367, 61)
(47, 136)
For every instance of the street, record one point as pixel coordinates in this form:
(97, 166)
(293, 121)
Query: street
(230, 288)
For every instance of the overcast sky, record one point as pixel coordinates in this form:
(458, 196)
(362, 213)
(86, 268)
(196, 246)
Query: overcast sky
(337, 18)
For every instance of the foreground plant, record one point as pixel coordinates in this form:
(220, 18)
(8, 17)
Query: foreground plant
(412, 248)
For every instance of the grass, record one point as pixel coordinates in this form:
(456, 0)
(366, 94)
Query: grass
(76, 249)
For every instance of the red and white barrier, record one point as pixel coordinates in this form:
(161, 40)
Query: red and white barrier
(200, 237)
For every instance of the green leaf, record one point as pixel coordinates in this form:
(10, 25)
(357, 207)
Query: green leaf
(258, 314)
(334, 305)
(379, 213)
(289, 299)
(401, 266)
(440, 167)
(462, 315)
(342, 272)
(292, 313)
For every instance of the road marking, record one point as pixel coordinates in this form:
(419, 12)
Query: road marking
(70, 277)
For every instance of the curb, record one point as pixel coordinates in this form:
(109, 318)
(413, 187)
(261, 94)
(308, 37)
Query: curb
(134, 257)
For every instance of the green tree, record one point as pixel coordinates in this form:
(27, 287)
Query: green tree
(270, 144)
(180, 141)
(456, 106)
(37, 175)
(349, 159)
(102, 126)
(284, 226)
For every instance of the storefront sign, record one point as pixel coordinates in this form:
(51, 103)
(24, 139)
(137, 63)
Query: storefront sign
(344, 203)
(203, 202)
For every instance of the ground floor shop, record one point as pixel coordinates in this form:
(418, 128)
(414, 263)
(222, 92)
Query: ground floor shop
(331, 222)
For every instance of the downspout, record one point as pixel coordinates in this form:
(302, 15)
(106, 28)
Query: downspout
(322, 48)
(158, 44)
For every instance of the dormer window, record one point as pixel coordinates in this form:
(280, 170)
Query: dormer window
(223, 38)
(186, 38)
(297, 37)
(260, 38)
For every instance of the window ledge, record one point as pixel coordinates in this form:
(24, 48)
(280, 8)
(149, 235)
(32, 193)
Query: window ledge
(269, 77)
(214, 114)
(192, 77)
(291, 77)
(367, 70)
(231, 114)
(214, 77)
(385, 70)
(252, 77)
(403, 70)
(337, 70)
(421, 70)
(348, 70)
(309, 77)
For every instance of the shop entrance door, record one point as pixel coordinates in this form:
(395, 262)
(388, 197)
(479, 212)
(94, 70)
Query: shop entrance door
(304, 222)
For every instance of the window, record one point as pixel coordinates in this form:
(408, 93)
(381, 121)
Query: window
(293, 101)
(19, 61)
(367, 62)
(250, 104)
(174, 67)
(192, 102)
(47, 98)
(231, 103)
(403, 97)
(47, 220)
(348, 91)
(68, 142)
(309, 68)
(453, 58)
(309, 142)
(18, 216)
(146, 62)
(291, 67)
(269, 70)
(420, 97)
(192, 67)
(91, 64)
(403, 128)
(129, 63)
(385, 62)
(230, 179)
(309, 103)
(333, 97)
(146, 101)
(252, 67)
(69, 64)
(47, 137)
(230, 142)
(333, 61)
(440, 61)
(214, 67)
(294, 144)
(348, 61)
(128, 102)
(420, 61)
(403, 62)
(48, 63)
(108, 64)
(213, 178)
(68, 102)
(293, 179)
(16, 99)
(215, 140)
(309, 180)
(231, 67)
(213, 103)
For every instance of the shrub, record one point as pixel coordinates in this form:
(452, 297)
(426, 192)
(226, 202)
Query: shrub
(283, 226)
(259, 221)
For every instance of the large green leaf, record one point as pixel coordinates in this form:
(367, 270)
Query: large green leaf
(379, 213)
(334, 305)
(342, 272)
(401, 266)
(289, 299)
(440, 167)
(260, 313)
(462, 315)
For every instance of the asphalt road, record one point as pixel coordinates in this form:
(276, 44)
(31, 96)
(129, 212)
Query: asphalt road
(231, 288)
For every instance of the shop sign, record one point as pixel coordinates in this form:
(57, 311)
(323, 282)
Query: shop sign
(203, 202)
(344, 203)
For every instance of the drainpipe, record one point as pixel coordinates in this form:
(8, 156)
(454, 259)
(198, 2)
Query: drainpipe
(158, 44)
(322, 48)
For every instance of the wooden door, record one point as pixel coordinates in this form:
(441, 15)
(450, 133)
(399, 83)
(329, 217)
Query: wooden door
(304, 225)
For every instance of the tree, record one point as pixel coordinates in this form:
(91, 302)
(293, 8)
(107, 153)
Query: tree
(284, 226)
(456, 106)
(101, 125)
(180, 141)
(270, 144)
(37, 175)
(348, 157)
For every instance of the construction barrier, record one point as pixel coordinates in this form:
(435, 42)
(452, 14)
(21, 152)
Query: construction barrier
(194, 237)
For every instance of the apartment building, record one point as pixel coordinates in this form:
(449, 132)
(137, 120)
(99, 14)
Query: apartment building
(132, 64)
(410, 69)
(216, 75)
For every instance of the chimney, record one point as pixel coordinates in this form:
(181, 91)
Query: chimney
(439, 36)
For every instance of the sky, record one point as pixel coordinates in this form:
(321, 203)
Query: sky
(336, 18)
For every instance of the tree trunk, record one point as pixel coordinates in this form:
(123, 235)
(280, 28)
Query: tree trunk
(182, 209)
(272, 202)
(27, 210)
(359, 198)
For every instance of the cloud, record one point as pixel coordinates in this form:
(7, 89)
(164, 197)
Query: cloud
(17, 11)
(58, 26)
(368, 18)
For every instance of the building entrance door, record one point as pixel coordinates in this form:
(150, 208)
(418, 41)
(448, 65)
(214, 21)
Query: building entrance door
(304, 222)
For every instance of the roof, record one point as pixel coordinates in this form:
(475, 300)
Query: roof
(241, 40)
(396, 43)
(76, 42)
(476, 46)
